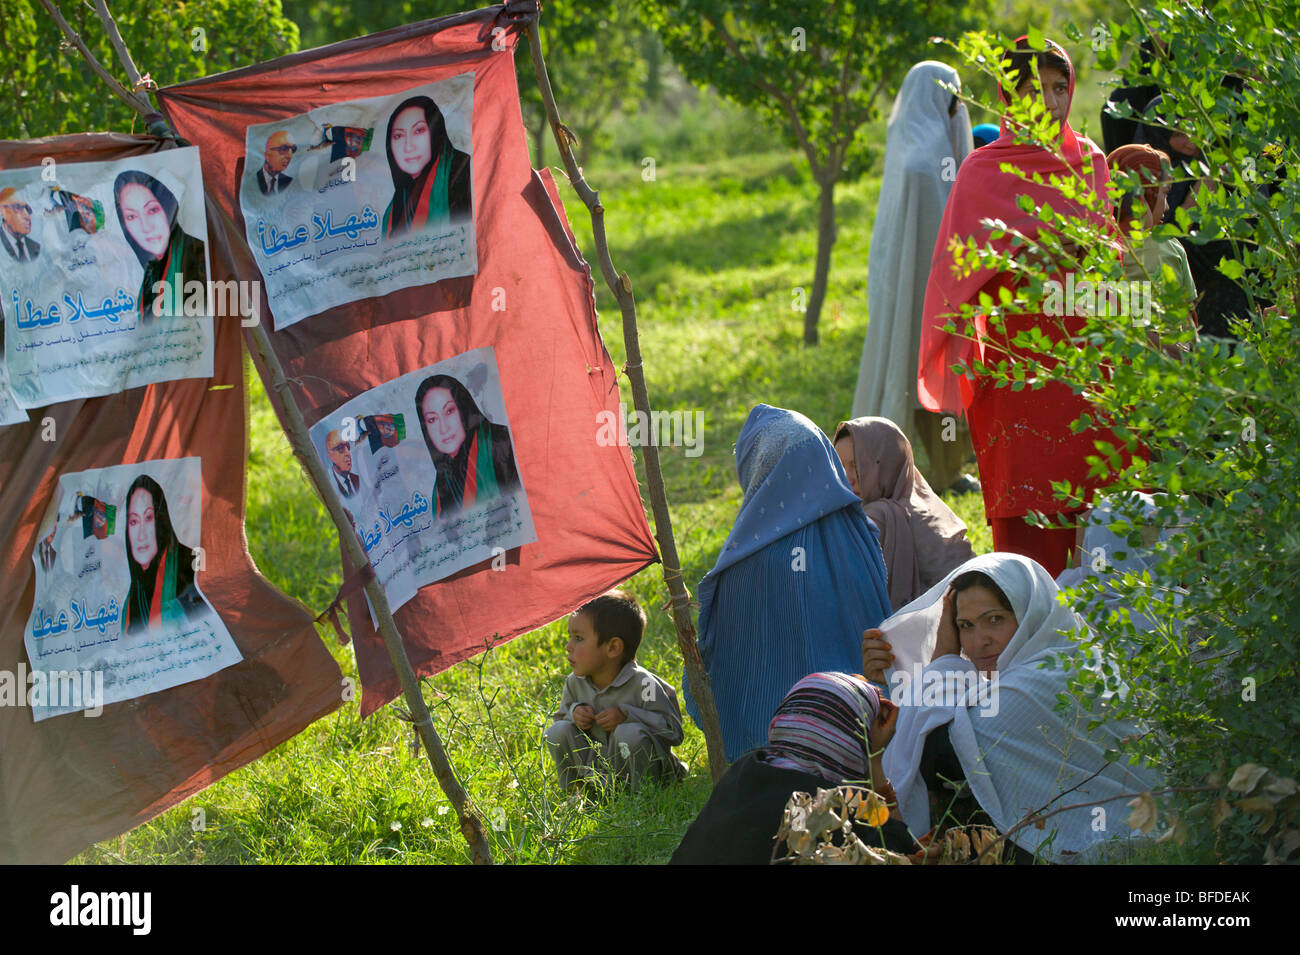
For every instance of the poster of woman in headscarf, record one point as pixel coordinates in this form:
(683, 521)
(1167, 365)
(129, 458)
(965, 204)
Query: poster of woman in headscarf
(116, 583)
(104, 276)
(361, 198)
(425, 465)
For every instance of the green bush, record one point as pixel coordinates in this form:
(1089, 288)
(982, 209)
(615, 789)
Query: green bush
(1214, 425)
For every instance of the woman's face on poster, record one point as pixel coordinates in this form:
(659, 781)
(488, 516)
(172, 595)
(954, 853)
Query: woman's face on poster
(442, 421)
(141, 531)
(410, 141)
(145, 218)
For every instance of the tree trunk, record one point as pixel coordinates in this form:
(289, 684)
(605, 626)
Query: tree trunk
(825, 239)
(539, 143)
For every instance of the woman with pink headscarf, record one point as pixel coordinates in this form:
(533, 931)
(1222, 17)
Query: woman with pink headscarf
(922, 539)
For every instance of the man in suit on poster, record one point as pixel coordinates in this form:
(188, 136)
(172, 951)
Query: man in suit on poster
(280, 148)
(340, 453)
(16, 227)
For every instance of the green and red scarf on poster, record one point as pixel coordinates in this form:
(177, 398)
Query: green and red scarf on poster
(439, 189)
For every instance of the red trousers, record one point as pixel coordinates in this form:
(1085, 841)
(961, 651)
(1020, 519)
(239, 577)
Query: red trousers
(1050, 546)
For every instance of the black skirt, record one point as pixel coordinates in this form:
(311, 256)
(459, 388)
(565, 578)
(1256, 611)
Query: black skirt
(738, 825)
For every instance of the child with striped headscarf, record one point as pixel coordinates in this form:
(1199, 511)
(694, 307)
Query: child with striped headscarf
(823, 734)
(822, 728)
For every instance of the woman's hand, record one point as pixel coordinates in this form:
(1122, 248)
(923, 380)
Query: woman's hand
(947, 642)
(881, 731)
(877, 655)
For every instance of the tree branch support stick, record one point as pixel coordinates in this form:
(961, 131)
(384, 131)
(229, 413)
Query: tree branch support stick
(471, 827)
(621, 286)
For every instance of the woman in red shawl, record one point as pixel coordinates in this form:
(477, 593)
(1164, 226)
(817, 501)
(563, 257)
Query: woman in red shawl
(1022, 438)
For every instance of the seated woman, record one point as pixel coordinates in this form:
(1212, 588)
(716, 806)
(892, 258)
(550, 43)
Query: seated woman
(998, 616)
(150, 220)
(823, 735)
(922, 539)
(1104, 554)
(799, 577)
(474, 458)
(162, 589)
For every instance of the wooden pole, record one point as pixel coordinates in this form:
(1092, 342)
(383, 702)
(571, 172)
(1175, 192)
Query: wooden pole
(621, 286)
(471, 827)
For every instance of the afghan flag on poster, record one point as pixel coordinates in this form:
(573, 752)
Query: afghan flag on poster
(384, 430)
(348, 141)
(97, 518)
(81, 212)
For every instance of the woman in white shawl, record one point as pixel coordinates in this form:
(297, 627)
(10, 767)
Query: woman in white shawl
(929, 136)
(991, 687)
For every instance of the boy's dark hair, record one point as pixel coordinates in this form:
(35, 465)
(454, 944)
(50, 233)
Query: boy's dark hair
(617, 614)
(975, 578)
(1018, 62)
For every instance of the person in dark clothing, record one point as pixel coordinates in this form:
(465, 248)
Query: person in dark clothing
(824, 734)
(1118, 131)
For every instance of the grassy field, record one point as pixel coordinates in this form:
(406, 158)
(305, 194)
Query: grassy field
(715, 250)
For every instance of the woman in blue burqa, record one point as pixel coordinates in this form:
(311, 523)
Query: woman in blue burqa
(799, 578)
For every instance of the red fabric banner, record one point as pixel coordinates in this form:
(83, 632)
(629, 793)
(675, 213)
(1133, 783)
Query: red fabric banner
(531, 301)
(70, 781)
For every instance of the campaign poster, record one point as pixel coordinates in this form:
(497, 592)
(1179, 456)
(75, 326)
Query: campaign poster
(425, 465)
(11, 412)
(361, 198)
(116, 587)
(104, 276)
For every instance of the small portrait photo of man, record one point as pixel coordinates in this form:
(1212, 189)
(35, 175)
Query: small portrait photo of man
(340, 452)
(16, 227)
(280, 148)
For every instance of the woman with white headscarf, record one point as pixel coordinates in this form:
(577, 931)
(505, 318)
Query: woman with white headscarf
(929, 136)
(994, 633)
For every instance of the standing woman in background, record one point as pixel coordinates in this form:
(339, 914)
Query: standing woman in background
(1022, 439)
(929, 136)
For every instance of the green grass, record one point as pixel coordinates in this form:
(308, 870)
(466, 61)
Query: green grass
(714, 252)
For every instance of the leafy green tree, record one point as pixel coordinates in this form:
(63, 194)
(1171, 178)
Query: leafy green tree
(46, 88)
(322, 22)
(597, 55)
(813, 67)
(598, 61)
(1213, 425)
